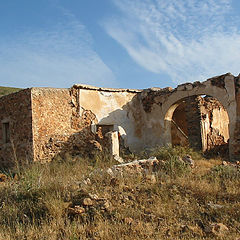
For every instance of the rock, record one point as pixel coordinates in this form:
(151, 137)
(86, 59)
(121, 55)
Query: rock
(188, 160)
(128, 220)
(118, 158)
(192, 229)
(136, 165)
(110, 172)
(3, 177)
(151, 178)
(93, 196)
(96, 145)
(87, 202)
(106, 205)
(224, 163)
(215, 206)
(76, 210)
(87, 181)
(216, 229)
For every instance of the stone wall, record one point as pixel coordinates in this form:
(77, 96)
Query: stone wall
(214, 124)
(236, 142)
(117, 108)
(160, 104)
(46, 122)
(15, 111)
(58, 127)
(204, 121)
(193, 116)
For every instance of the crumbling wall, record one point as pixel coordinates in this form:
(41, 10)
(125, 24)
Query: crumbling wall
(214, 123)
(15, 109)
(193, 116)
(160, 104)
(114, 107)
(58, 126)
(236, 142)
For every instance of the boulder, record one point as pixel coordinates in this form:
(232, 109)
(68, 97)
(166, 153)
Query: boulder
(87, 202)
(216, 229)
(188, 160)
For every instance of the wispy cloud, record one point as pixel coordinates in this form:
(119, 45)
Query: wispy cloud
(188, 40)
(59, 56)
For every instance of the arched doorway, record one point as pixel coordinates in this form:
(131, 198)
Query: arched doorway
(201, 122)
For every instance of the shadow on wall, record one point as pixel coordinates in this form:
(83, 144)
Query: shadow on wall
(137, 128)
(200, 122)
(88, 140)
(130, 121)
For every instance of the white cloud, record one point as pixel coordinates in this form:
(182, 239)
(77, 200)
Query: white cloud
(57, 57)
(188, 40)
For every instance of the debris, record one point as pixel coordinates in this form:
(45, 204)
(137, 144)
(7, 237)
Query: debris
(118, 158)
(87, 202)
(128, 220)
(215, 206)
(188, 160)
(76, 210)
(216, 229)
(3, 177)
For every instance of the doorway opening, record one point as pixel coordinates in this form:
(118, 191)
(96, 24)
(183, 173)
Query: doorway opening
(202, 123)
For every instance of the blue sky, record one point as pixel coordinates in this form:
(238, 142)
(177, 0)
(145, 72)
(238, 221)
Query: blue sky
(117, 43)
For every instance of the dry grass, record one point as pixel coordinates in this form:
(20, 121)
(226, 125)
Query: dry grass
(7, 90)
(179, 205)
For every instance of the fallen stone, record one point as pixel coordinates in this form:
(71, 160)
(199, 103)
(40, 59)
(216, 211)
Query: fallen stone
(128, 220)
(224, 163)
(192, 229)
(151, 178)
(3, 177)
(93, 196)
(87, 202)
(87, 181)
(106, 205)
(118, 158)
(188, 160)
(215, 206)
(216, 229)
(143, 166)
(76, 210)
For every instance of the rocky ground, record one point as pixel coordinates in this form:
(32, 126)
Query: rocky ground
(166, 194)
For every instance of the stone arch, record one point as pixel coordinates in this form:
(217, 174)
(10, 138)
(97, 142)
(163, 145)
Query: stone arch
(222, 89)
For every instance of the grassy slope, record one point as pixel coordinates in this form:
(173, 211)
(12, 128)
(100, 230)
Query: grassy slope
(175, 206)
(7, 90)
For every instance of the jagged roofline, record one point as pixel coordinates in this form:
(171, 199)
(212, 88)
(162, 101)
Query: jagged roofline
(166, 89)
(89, 87)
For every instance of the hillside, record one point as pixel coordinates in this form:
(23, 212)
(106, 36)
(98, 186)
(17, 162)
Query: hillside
(7, 90)
(76, 198)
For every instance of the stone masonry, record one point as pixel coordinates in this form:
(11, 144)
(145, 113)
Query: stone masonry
(39, 124)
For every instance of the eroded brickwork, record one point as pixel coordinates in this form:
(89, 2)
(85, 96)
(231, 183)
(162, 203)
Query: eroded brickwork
(16, 110)
(236, 143)
(46, 122)
(57, 125)
(193, 117)
(215, 124)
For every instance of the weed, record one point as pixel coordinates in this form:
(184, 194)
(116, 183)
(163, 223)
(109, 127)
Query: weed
(178, 205)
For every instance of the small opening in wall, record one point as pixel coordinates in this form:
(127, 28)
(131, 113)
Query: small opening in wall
(6, 132)
(105, 128)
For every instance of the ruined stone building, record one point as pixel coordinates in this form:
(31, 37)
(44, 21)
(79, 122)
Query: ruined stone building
(36, 124)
